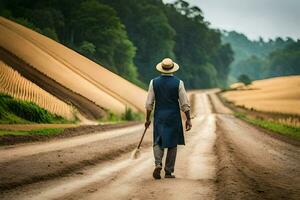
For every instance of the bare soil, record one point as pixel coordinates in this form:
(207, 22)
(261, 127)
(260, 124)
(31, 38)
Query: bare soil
(254, 163)
(69, 131)
(29, 163)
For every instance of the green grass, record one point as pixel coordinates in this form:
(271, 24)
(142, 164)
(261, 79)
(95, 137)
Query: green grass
(14, 111)
(290, 131)
(128, 115)
(48, 131)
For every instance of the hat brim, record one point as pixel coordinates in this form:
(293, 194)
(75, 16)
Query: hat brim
(162, 70)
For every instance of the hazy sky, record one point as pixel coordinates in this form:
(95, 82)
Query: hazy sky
(266, 18)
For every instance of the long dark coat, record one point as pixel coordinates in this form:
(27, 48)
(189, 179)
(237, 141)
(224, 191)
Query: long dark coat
(168, 130)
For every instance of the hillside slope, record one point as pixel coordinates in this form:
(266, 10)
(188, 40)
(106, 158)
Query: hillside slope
(87, 108)
(12, 83)
(70, 69)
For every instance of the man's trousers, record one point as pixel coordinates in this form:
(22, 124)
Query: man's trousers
(170, 159)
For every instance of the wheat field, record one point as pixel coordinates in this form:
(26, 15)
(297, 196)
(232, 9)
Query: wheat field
(70, 69)
(13, 84)
(277, 95)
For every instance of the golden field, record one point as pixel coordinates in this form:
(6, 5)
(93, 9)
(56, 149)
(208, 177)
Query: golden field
(70, 69)
(13, 84)
(275, 95)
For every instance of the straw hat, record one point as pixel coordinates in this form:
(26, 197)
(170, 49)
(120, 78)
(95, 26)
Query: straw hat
(167, 66)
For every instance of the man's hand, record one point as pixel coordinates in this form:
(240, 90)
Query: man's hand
(188, 125)
(147, 123)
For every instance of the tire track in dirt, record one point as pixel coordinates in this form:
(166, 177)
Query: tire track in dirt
(31, 167)
(13, 153)
(253, 164)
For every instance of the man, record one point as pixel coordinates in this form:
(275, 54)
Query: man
(169, 95)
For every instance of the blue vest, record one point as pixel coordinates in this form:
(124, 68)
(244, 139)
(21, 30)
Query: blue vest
(168, 130)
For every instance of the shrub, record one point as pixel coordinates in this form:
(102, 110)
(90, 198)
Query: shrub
(129, 115)
(244, 79)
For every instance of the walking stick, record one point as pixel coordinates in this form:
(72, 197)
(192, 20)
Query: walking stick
(136, 152)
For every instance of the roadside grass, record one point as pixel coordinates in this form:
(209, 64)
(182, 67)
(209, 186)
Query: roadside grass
(290, 131)
(48, 132)
(15, 111)
(128, 115)
(10, 118)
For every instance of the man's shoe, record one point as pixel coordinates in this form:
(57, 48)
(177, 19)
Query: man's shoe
(156, 172)
(169, 175)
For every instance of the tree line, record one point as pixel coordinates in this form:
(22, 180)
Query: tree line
(130, 37)
(262, 59)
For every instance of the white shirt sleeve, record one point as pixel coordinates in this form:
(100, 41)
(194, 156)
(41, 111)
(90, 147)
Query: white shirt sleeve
(183, 99)
(151, 97)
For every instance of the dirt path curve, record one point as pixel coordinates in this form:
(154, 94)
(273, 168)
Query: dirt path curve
(124, 178)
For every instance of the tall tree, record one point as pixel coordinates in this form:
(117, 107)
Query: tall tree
(148, 28)
(198, 47)
(98, 24)
(251, 52)
(285, 61)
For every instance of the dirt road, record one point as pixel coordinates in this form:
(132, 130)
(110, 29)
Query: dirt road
(224, 158)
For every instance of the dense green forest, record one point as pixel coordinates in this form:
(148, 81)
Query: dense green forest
(130, 37)
(262, 59)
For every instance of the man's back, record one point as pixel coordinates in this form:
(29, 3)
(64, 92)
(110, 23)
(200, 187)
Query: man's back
(166, 91)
